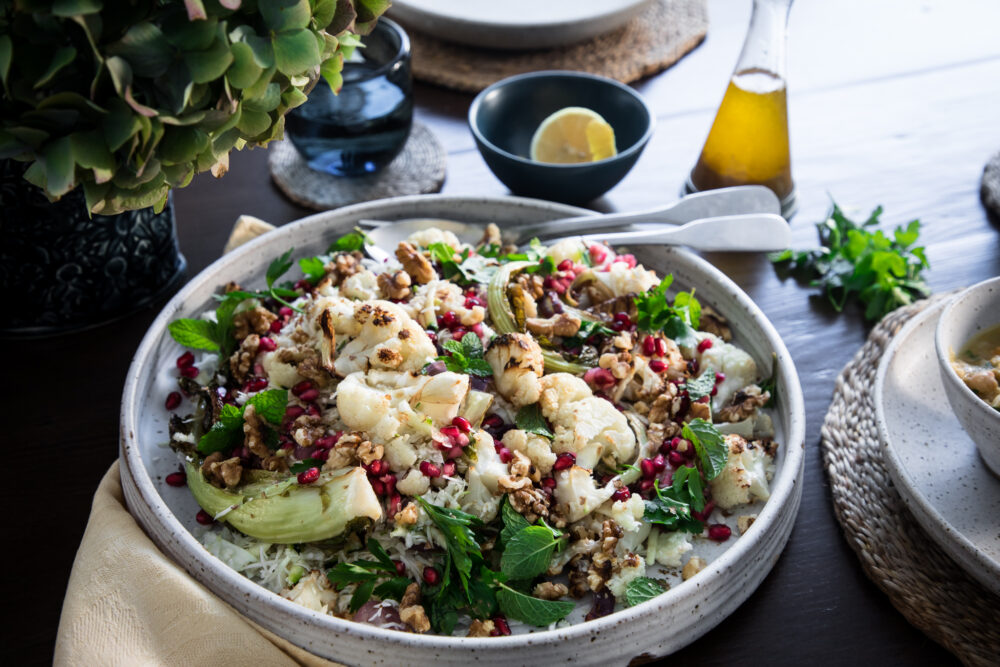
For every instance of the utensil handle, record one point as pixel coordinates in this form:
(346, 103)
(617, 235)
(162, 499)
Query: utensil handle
(755, 232)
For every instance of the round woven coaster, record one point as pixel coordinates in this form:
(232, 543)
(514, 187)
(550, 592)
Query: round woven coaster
(989, 191)
(417, 170)
(931, 591)
(654, 40)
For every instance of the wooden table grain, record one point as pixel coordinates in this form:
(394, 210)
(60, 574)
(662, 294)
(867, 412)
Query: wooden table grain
(894, 103)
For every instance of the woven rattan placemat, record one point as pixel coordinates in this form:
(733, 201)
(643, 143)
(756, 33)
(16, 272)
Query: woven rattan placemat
(417, 170)
(654, 40)
(931, 591)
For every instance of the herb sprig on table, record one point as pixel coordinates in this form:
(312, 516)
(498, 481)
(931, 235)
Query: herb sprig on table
(856, 261)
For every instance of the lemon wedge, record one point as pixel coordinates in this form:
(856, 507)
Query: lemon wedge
(571, 135)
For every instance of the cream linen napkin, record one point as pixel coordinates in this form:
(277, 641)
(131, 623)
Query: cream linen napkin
(128, 604)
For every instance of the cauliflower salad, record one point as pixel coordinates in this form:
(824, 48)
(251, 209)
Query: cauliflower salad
(467, 439)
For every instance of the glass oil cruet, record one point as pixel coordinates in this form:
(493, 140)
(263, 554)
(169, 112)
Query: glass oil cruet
(748, 142)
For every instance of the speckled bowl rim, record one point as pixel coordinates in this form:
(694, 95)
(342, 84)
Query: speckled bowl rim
(786, 486)
(632, 151)
(984, 412)
(955, 543)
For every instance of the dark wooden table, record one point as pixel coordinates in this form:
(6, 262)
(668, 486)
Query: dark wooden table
(894, 103)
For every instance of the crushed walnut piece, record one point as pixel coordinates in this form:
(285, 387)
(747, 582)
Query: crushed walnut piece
(222, 472)
(700, 410)
(253, 439)
(406, 516)
(548, 590)
(481, 628)
(411, 612)
(415, 263)
(744, 403)
(253, 320)
(241, 362)
(563, 324)
(342, 266)
(531, 503)
(744, 522)
(394, 285)
(693, 567)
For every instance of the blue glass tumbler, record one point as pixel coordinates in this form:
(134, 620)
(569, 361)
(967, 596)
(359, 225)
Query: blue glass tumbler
(363, 128)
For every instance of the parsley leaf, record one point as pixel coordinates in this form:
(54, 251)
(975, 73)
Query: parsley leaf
(701, 386)
(709, 444)
(528, 553)
(672, 506)
(227, 431)
(462, 548)
(641, 589)
(854, 262)
(313, 268)
(532, 610)
(466, 356)
(349, 242)
(530, 419)
(588, 330)
(366, 574)
(677, 321)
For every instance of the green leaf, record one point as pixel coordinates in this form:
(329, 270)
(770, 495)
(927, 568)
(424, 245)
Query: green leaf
(313, 268)
(69, 8)
(349, 242)
(182, 144)
(6, 57)
(295, 52)
(361, 595)
(63, 56)
(146, 50)
(641, 589)
(529, 418)
(253, 123)
(709, 444)
(530, 610)
(279, 267)
(225, 434)
(528, 553)
(702, 385)
(285, 14)
(270, 404)
(513, 521)
(456, 526)
(57, 157)
(672, 507)
(208, 65)
(244, 71)
(196, 334)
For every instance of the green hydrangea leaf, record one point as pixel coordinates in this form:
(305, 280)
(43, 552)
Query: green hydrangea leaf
(76, 7)
(145, 48)
(286, 14)
(62, 57)
(244, 71)
(267, 101)
(295, 51)
(57, 158)
(252, 123)
(210, 64)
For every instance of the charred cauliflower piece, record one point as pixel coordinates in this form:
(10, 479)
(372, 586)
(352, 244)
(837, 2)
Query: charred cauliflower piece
(576, 489)
(744, 478)
(388, 338)
(517, 363)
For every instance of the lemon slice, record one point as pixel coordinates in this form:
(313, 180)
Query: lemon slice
(571, 135)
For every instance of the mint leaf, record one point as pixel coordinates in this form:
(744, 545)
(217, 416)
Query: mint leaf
(641, 589)
(349, 242)
(529, 419)
(473, 347)
(225, 433)
(513, 522)
(672, 506)
(194, 333)
(530, 610)
(709, 444)
(313, 268)
(528, 553)
(701, 386)
(270, 404)
(677, 321)
(466, 356)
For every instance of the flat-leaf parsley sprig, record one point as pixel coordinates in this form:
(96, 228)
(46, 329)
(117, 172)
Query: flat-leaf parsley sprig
(856, 261)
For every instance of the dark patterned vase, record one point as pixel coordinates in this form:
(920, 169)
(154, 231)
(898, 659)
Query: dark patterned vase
(63, 270)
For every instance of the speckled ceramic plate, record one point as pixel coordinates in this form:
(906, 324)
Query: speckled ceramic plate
(653, 628)
(933, 462)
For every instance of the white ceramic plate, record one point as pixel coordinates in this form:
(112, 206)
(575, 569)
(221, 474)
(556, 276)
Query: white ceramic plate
(933, 462)
(515, 24)
(689, 609)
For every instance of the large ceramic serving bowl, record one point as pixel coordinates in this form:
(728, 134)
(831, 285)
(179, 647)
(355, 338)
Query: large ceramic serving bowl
(654, 628)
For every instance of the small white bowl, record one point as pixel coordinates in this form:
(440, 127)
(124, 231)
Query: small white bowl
(970, 312)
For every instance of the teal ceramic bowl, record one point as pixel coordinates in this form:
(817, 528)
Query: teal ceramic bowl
(504, 117)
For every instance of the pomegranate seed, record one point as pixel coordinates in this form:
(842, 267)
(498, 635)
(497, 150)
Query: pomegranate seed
(429, 469)
(204, 518)
(327, 441)
(255, 384)
(285, 312)
(293, 412)
(308, 476)
(377, 468)
(450, 432)
(676, 459)
(661, 347)
(303, 285)
(657, 366)
(267, 344)
(628, 260)
(472, 301)
(185, 360)
(176, 479)
(458, 333)
(505, 454)
(190, 372)
(597, 254)
(312, 410)
(173, 400)
(454, 453)
(477, 329)
(705, 513)
(549, 482)
(321, 454)
(649, 346)
(500, 626)
(659, 463)
(288, 446)
(433, 336)
(719, 532)
(621, 494)
(705, 344)
(389, 481)
(276, 326)
(665, 448)
(431, 576)
(448, 469)
(715, 390)
(565, 265)
(395, 504)
(493, 421)
(720, 377)
(305, 385)
(449, 320)
(599, 377)
(462, 423)
(378, 487)
(309, 395)
(646, 485)
(647, 468)
(564, 461)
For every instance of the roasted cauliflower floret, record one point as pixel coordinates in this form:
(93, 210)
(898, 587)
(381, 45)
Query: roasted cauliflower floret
(571, 249)
(667, 548)
(622, 280)
(577, 491)
(313, 591)
(744, 478)
(590, 427)
(535, 447)
(388, 338)
(440, 296)
(424, 238)
(517, 363)
(378, 402)
(441, 396)
(631, 568)
(362, 285)
(739, 368)
(487, 465)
